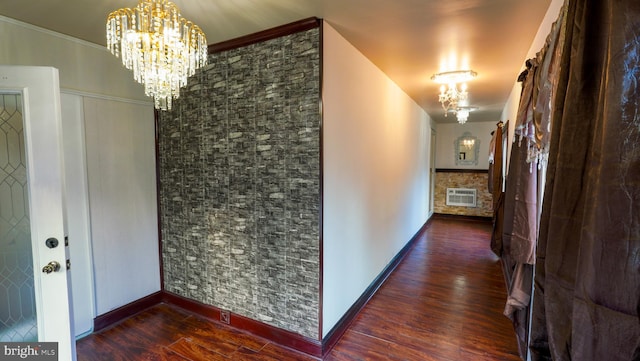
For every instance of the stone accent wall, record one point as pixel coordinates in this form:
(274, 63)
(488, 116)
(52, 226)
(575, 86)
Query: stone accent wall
(479, 181)
(239, 159)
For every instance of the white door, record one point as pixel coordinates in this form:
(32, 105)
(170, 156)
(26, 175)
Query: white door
(34, 293)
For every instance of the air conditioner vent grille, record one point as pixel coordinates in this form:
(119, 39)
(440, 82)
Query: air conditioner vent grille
(465, 197)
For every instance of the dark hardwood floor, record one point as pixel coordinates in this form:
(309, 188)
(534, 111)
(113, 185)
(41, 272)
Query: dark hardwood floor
(443, 302)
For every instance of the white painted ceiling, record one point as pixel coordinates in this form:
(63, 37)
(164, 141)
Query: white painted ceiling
(409, 40)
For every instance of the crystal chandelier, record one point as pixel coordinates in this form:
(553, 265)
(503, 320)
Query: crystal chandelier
(159, 45)
(454, 100)
(462, 113)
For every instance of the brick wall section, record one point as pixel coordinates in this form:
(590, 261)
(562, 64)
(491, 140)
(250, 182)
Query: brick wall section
(478, 181)
(239, 160)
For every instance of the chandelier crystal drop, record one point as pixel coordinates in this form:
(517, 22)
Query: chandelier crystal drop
(161, 47)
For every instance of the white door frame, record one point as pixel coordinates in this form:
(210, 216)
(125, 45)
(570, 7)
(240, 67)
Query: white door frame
(40, 91)
(432, 171)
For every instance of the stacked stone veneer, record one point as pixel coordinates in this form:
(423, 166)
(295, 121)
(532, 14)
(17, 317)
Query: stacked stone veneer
(239, 160)
(478, 181)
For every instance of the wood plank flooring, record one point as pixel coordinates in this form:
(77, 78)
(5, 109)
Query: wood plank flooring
(443, 302)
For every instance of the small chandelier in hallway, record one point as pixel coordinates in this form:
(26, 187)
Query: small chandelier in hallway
(462, 113)
(455, 100)
(159, 45)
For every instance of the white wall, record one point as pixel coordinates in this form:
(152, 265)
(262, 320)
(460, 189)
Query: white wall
(120, 142)
(90, 74)
(376, 173)
(449, 132)
(82, 66)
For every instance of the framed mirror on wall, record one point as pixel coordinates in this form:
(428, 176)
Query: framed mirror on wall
(466, 149)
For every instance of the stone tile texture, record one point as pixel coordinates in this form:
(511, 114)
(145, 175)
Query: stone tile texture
(239, 165)
(478, 181)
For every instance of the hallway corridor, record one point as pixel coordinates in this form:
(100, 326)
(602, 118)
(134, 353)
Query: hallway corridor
(443, 302)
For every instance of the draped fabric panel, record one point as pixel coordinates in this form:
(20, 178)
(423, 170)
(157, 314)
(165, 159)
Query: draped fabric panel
(496, 165)
(524, 183)
(587, 283)
(520, 198)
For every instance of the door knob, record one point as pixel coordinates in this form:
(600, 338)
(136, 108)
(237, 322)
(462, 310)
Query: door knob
(53, 266)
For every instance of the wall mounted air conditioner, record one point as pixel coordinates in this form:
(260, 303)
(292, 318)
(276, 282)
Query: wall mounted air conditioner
(465, 197)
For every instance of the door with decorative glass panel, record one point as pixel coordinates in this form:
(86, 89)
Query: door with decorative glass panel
(34, 277)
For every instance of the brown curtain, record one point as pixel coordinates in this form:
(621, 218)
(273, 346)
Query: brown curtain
(523, 195)
(520, 201)
(496, 170)
(587, 283)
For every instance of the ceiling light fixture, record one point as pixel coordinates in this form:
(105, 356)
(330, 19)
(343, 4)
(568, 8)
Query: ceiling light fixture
(456, 76)
(159, 45)
(462, 113)
(452, 99)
